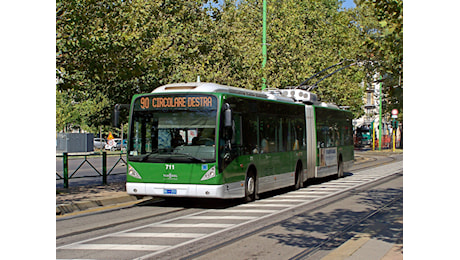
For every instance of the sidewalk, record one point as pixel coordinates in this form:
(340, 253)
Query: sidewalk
(381, 240)
(82, 198)
(364, 247)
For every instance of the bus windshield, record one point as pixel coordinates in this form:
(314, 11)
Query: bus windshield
(173, 132)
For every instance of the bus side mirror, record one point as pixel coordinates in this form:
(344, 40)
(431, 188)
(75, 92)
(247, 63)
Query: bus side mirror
(116, 114)
(228, 124)
(227, 115)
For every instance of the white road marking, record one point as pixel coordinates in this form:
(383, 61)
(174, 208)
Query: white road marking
(246, 210)
(319, 192)
(168, 235)
(116, 247)
(199, 225)
(294, 196)
(221, 217)
(262, 205)
(348, 183)
(284, 200)
(335, 186)
(325, 188)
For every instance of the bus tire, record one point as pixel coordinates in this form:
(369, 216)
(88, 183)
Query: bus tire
(298, 176)
(250, 186)
(340, 168)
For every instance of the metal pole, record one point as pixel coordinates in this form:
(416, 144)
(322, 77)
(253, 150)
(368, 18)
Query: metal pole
(121, 145)
(65, 163)
(394, 140)
(100, 137)
(373, 136)
(380, 115)
(264, 42)
(104, 167)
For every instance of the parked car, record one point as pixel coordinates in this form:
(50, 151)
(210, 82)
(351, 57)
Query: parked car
(118, 145)
(99, 143)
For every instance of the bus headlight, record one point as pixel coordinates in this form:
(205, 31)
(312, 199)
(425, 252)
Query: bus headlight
(209, 174)
(132, 172)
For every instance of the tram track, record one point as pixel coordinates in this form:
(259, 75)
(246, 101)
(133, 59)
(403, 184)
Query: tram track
(258, 217)
(313, 207)
(372, 161)
(111, 225)
(311, 251)
(180, 209)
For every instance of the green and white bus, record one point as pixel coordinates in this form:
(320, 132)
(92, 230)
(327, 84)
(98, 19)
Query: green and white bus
(207, 140)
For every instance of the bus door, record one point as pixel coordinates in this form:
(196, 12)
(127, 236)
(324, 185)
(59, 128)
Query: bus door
(311, 142)
(230, 148)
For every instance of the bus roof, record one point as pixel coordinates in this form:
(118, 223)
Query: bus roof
(207, 87)
(287, 95)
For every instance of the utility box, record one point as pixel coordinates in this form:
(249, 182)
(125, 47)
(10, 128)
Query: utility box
(74, 143)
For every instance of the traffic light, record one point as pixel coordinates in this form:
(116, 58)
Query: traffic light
(394, 124)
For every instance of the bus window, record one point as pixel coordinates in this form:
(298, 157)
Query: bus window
(284, 130)
(249, 125)
(267, 129)
(173, 134)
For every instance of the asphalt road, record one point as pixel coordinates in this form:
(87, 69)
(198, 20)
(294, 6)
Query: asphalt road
(310, 223)
(318, 233)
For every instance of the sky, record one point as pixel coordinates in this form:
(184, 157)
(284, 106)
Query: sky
(349, 4)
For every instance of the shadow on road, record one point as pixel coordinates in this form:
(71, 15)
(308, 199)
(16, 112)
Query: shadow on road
(330, 229)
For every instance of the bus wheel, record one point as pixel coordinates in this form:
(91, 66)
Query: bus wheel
(340, 169)
(298, 177)
(250, 187)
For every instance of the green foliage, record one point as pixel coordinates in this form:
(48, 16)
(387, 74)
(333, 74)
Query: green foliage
(381, 24)
(109, 50)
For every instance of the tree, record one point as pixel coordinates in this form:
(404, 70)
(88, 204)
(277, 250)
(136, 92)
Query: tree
(94, 58)
(306, 37)
(109, 50)
(381, 25)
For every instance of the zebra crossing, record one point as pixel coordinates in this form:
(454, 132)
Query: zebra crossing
(155, 238)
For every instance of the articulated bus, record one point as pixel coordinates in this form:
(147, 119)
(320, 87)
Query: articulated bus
(206, 140)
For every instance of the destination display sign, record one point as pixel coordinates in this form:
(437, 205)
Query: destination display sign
(175, 102)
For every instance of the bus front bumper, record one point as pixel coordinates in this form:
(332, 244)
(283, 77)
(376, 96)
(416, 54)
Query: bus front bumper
(224, 191)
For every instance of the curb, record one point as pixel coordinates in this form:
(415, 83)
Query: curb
(62, 209)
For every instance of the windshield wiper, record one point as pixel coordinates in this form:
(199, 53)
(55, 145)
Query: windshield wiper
(149, 154)
(188, 156)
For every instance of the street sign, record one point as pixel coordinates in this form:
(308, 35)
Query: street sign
(110, 142)
(394, 113)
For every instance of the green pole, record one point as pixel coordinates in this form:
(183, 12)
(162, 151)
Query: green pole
(65, 163)
(264, 42)
(104, 167)
(380, 116)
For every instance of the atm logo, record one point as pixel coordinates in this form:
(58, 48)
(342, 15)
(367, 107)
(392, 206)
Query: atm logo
(170, 176)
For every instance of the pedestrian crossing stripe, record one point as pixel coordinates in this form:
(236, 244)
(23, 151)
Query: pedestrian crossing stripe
(165, 235)
(116, 247)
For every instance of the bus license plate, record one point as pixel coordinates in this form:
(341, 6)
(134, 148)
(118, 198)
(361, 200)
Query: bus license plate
(169, 191)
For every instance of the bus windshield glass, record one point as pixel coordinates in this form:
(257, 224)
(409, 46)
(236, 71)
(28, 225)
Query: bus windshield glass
(173, 128)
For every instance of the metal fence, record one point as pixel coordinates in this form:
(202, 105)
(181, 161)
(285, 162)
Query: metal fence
(94, 172)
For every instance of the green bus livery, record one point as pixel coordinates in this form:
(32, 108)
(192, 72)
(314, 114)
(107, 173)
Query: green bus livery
(208, 140)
